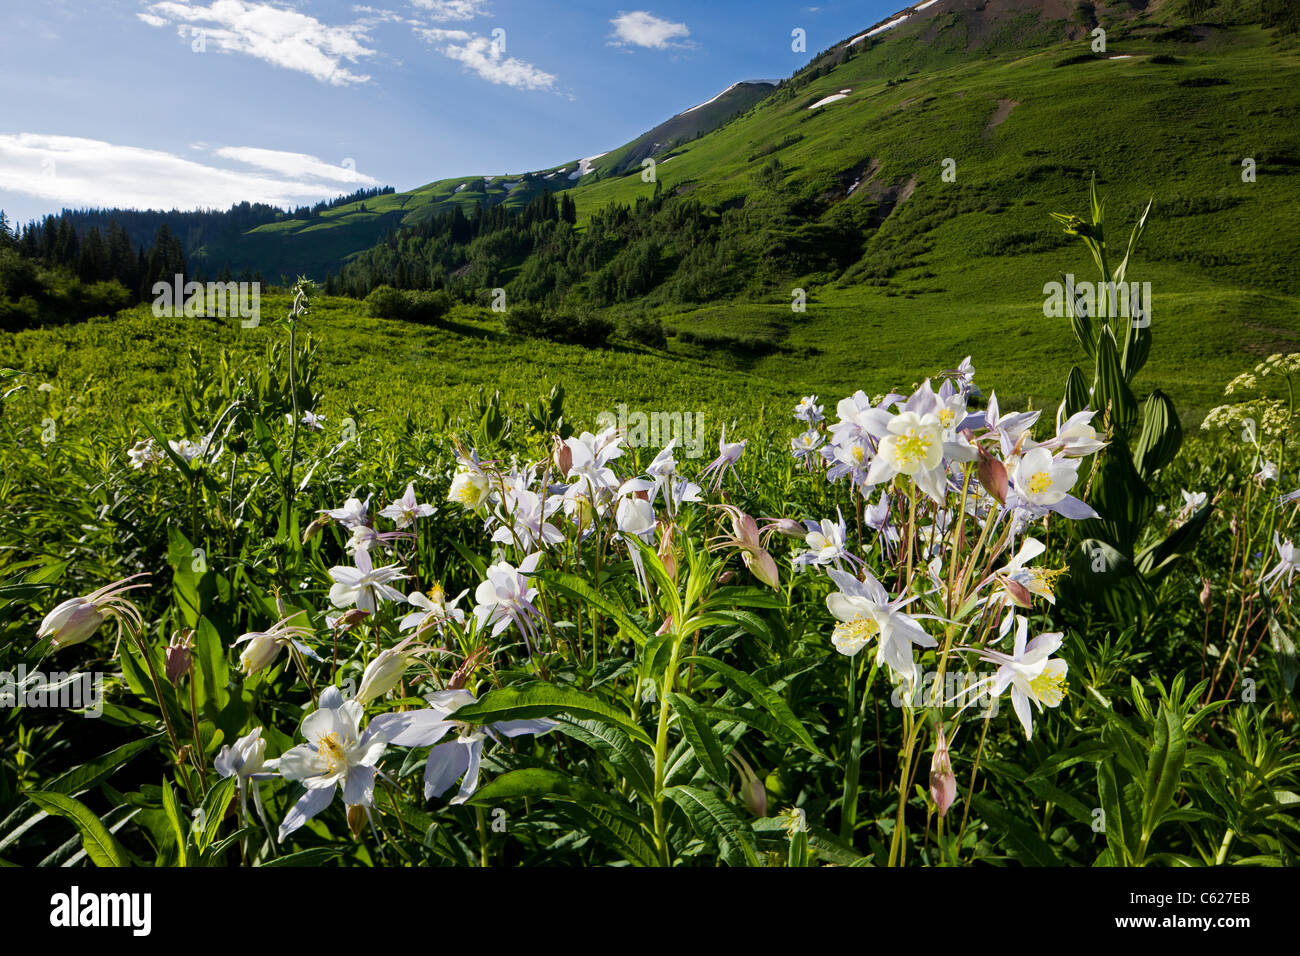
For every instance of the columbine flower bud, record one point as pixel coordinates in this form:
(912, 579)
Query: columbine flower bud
(383, 673)
(563, 456)
(350, 619)
(993, 476)
(72, 622)
(178, 655)
(943, 782)
(260, 653)
(356, 819)
(667, 554)
(315, 527)
(1018, 593)
(461, 677)
(1205, 593)
(789, 527)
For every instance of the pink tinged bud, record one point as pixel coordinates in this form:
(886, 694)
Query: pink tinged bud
(72, 622)
(755, 796)
(1018, 593)
(726, 577)
(178, 656)
(667, 555)
(1205, 593)
(667, 625)
(350, 619)
(993, 476)
(790, 528)
(462, 675)
(943, 782)
(563, 456)
(763, 567)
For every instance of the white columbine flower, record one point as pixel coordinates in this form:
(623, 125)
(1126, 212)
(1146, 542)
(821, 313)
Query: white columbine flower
(912, 446)
(808, 410)
(352, 515)
(385, 671)
(456, 759)
(264, 646)
(1029, 671)
(865, 612)
(245, 760)
(143, 453)
(825, 541)
(505, 598)
(336, 753)
(364, 585)
(471, 486)
(435, 610)
(1042, 481)
(1288, 561)
(406, 510)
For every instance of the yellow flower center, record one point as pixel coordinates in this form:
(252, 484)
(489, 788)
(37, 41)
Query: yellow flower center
(946, 417)
(1045, 578)
(1040, 483)
(913, 447)
(1049, 687)
(330, 749)
(436, 595)
(857, 631)
(859, 454)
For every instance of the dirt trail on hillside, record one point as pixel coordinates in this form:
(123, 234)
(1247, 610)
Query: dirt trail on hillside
(1000, 115)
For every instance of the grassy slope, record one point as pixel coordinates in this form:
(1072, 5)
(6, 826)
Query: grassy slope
(1220, 254)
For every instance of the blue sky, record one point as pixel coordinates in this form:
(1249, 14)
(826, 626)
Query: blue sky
(162, 103)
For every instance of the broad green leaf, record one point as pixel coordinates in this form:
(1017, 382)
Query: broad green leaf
(697, 730)
(540, 699)
(99, 844)
(765, 697)
(718, 824)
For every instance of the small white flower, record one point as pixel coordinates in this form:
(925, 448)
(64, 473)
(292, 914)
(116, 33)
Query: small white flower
(406, 509)
(336, 753)
(364, 585)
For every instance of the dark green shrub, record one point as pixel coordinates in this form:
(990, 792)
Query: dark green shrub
(410, 305)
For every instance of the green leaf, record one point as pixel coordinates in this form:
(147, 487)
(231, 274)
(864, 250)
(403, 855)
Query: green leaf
(93, 772)
(1161, 436)
(699, 733)
(1076, 392)
(578, 589)
(316, 856)
(1112, 389)
(540, 699)
(616, 747)
(765, 697)
(99, 844)
(173, 811)
(1164, 767)
(718, 824)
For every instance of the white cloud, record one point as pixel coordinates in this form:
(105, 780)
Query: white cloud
(641, 28)
(74, 171)
(486, 58)
(277, 35)
(443, 10)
